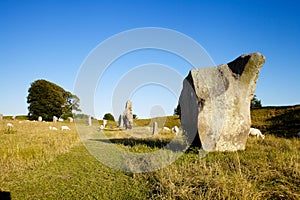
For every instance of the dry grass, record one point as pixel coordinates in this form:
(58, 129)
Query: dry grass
(35, 162)
(30, 144)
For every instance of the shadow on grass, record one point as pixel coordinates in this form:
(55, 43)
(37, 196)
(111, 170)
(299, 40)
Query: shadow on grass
(5, 195)
(175, 145)
(285, 125)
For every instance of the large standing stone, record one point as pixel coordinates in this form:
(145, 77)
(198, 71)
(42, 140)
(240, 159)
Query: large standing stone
(120, 121)
(127, 116)
(215, 103)
(155, 128)
(89, 120)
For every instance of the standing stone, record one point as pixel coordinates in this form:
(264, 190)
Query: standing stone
(40, 119)
(120, 121)
(127, 116)
(89, 120)
(215, 103)
(54, 119)
(1, 117)
(155, 128)
(104, 123)
(70, 119)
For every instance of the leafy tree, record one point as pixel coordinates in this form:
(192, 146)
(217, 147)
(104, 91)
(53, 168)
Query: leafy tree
(177, 110)
(109, 116)
(255, 103)
(47, 99)
(134, 116)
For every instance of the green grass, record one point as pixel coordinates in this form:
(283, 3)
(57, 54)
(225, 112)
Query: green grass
(37, 163)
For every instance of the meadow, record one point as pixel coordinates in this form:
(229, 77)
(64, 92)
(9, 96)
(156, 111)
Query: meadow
(37, 163)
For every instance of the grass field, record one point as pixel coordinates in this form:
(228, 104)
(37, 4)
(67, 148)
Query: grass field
(37, 163)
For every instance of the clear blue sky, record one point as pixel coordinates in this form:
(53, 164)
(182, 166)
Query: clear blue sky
(50, 39)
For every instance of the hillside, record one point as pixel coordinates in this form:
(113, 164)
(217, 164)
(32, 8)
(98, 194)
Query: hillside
(283, 121)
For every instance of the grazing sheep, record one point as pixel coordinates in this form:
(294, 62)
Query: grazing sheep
(166, 129)
(256, 132)
(65, 128)
(9, 125)
(175, 129)
(52, 128)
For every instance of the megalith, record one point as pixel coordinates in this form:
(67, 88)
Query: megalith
(127, 115)
(215, 103)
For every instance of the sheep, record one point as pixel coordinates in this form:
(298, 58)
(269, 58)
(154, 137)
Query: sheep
(175, 129)
(166, 129)
(65, 128)
(9, 125)
(256, 132)
(52, 128)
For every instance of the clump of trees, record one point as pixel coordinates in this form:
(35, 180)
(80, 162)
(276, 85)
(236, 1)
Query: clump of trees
(46, 99)
(255, 103)
(109, 116)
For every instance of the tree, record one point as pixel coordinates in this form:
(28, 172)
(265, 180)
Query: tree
(109, 116)
(177, 110)
(47, 99)
(134, 116)
(255, 103)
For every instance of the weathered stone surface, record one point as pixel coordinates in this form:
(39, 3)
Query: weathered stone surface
(215, 103)
(155, 128)
(128, 116)
(120, 121)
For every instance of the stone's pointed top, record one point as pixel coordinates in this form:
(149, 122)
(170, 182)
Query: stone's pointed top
(238, 65)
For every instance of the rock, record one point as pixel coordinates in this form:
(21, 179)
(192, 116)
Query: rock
(54, 118)
(1, 117)
(89, 120)
(155, 128)
(70, 119)
(120, 121)
(127, 116)
(40, 119)
(104, 123)
(215, 103)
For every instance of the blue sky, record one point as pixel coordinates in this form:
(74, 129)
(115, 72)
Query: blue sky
(51, 39)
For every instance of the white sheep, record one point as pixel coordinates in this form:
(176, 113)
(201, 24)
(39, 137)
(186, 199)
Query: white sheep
(9, 125)
(65, 128)
(175, 129)
(256, 132)
(166, 128)
(52, 128)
